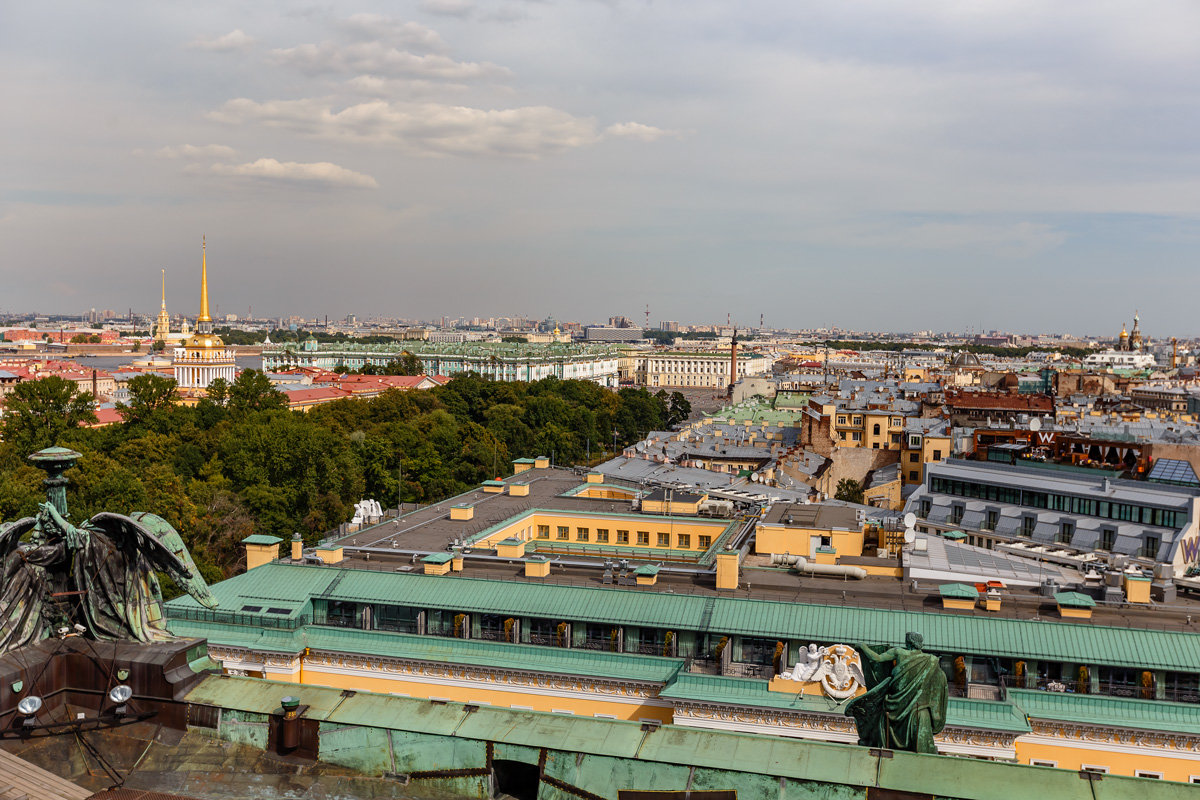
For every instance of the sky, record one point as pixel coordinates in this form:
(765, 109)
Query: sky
(1024, 166)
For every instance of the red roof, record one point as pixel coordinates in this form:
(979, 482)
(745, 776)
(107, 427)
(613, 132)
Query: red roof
(317, 394)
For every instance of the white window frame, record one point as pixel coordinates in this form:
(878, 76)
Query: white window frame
(1146, 773)
(1093, 768)
(1038, 762)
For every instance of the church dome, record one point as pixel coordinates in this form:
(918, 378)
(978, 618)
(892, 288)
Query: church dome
(965, 359)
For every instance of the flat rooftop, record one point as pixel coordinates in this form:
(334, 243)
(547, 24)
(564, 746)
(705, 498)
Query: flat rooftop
(816, 516)
(430, 528)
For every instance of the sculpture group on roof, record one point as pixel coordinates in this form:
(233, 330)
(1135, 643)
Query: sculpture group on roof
(98, 578)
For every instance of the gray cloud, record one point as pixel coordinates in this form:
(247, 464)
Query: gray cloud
(376, 27)
(236, 39)
(638, 131)
(192, 151)
(429, 129)
(318, 173)
(879, 145)
(448, 8)
(379, 58)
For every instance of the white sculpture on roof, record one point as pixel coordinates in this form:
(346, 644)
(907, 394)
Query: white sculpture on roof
(838, 668)
(365, 510)
(806, 664)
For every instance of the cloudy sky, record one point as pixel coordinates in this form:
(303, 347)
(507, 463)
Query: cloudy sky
(875, 165)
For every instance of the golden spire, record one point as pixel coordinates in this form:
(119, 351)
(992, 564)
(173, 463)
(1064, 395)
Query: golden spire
(203, 282)
(164, 303)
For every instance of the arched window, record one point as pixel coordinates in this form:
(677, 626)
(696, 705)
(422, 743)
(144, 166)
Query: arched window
(876, 428)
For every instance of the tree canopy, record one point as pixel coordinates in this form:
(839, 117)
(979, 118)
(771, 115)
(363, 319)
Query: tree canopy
(37, 413)
(239, 462)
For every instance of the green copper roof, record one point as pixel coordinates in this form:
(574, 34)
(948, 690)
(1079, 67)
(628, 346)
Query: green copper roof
(645, 753)
(958, 591)
(1155, 715)
(261, 538)
(945, 633)
(1074, 600)
(442, 649)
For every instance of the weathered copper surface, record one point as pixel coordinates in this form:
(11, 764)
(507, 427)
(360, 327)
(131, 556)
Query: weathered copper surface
(905, 704)
(96, 579)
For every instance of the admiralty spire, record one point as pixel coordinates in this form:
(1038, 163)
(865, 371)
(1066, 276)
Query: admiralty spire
(204, 357)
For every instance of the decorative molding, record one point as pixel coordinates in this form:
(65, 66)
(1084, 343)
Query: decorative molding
(472, 675)
(524, 681)
(832, 727)
(1112, 738)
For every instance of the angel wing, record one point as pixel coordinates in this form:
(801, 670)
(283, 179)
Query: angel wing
(10, 535)
(128, 532)
(819, 669)
(196, 586)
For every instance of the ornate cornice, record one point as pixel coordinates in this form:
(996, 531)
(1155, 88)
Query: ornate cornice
(496, 676)
(822, 723)
(1114, 736)
(414, 668)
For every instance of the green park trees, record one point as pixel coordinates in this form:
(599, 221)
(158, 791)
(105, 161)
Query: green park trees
(38, 413)
(239, 462)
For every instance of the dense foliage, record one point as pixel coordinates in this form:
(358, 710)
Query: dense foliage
(236, 336)
(239, 462)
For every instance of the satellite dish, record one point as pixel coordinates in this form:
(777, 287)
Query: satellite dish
(910, 536)
(910, 519)
(1035, 425)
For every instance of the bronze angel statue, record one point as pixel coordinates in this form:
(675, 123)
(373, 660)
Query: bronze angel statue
(100, 575)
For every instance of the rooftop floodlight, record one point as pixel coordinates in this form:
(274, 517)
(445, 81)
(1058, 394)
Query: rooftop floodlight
(29, 706)
(120, 694)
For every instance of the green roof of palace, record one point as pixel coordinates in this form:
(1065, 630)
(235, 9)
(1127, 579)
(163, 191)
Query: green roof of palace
(444, 649)
(1048, 640)
(1101, 710)
(437, 558)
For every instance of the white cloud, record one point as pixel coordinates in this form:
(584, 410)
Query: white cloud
(423, 128)
(375, 86)
(234, 40)
(321, 172)
(377, 28)
(636, 130)
(193, 151)
(379, 58)
(448, 8)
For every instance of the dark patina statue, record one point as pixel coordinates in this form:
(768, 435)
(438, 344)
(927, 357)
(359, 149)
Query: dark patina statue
(97, 578)
(905, 703)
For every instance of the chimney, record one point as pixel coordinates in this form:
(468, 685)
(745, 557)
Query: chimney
(297, 547)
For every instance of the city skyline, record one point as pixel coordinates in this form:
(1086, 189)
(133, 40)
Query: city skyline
(875, 168)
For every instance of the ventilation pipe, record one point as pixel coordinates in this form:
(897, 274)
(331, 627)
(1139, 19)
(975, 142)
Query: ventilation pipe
(801, 564)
